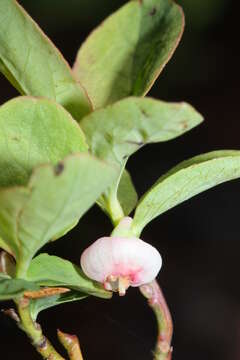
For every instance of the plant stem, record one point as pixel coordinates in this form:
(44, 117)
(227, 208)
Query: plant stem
(115, 209)
(34, 332)
(21, 269)
(71, 344)
(153, 293)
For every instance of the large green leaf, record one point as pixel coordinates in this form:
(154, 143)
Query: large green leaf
(49, 270)
(116, 132)
(12, 288)
(32, 132)
(54, 199)
(127, 52)
(33, 64)
(38, 305)
(184, 181)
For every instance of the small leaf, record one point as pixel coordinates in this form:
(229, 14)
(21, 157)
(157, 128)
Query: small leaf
(184, 181)
(12, 288)
(32, 63)
(49, 270)
(127, 52)
(38, 305)
(32, 132)
(119, 130)
(53, 201)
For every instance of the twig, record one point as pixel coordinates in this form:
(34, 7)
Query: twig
(34, 332)
(153, 293)
(71, 344)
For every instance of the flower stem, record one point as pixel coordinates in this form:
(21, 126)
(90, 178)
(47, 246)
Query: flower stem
(71, 344)
(34, 332)
(153, 293)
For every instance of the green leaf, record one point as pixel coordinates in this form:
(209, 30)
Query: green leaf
(116, 132)
(184, 181)
(127, 52)
(12, 288)
(54, 199)
(38, 305)
(49, 270)
(32, 132)
(119, 130)
(32, 63)
(65, 230)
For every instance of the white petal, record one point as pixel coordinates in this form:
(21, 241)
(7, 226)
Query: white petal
(121, 257)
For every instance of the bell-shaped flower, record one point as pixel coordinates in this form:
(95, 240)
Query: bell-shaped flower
(119, 262)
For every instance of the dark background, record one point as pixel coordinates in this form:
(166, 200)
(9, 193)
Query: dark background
(199, 240)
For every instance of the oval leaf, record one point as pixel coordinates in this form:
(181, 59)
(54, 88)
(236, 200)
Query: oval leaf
(49, 270)
(34, 65)
(184, 181)
(32, 132)
(116, 132)
(54, 199)
(119, 130)
(127, 52)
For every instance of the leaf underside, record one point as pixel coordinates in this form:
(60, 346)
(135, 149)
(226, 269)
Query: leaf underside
(184, 181)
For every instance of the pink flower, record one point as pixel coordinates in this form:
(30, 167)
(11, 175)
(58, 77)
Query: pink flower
(120, 262)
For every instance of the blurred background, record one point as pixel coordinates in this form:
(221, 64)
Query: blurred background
(199, 240)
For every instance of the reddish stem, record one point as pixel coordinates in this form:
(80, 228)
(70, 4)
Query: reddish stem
(71, 344)
(156, 300)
